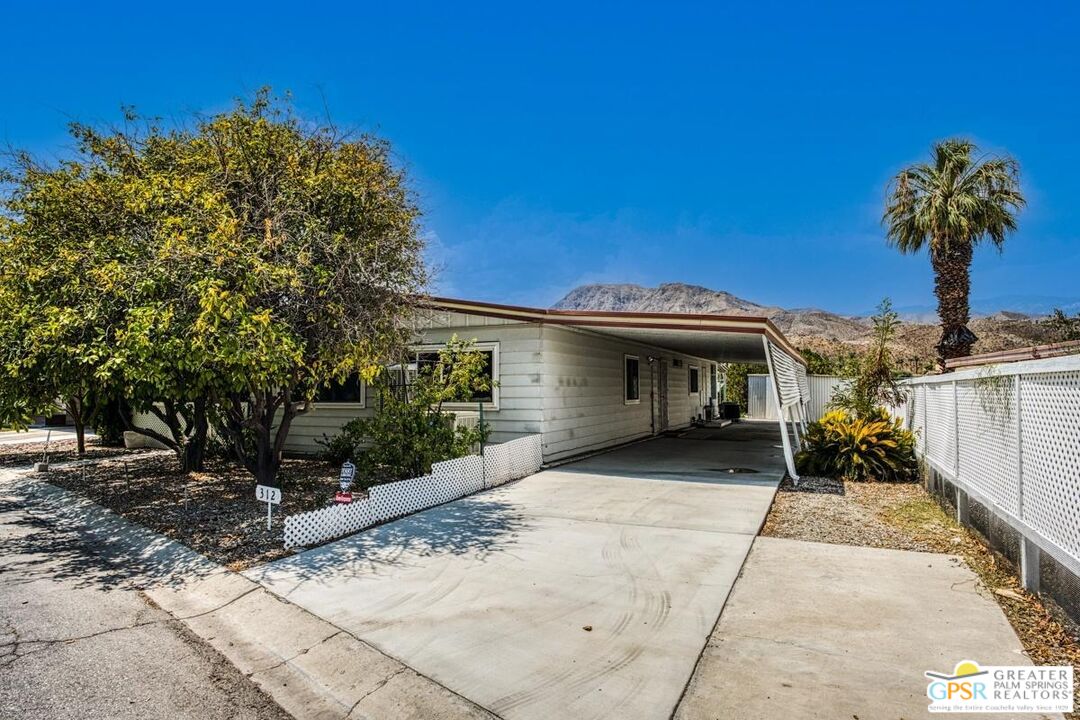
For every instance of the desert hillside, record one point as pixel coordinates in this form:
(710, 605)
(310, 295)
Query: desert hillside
(827, 333)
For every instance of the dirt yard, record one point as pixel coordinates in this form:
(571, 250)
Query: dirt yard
(25, 455)
(213, 512)
(903, 516)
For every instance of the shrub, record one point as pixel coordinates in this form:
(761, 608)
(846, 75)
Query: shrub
(338, 449)
(410, 429)
(846, 446)
(874, 383)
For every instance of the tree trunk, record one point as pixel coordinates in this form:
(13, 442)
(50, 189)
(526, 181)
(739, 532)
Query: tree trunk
(188, 432)
(80, 437)
(250, 427)
(195, 450)
(75, 407)
(952, 284)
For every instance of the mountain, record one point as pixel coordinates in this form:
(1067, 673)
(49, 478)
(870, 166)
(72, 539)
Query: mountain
(1034, 305)
(669, 297)
(819, 330)
(679, 297)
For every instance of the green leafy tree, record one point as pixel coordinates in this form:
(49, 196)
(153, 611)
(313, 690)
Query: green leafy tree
(98, 272)
(170, 215)
(218, 273)
(949, 206)
(844, 364)
(60, 288)
(319, 265)
(411, 429)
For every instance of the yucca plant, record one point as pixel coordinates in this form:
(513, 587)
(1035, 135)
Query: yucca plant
(869, 448)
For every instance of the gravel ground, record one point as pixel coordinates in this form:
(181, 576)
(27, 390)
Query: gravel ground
(903, 516)
(213, 512)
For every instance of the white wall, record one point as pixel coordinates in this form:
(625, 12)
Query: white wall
(519, 370)
(760, 404)
(325, 419)
(564, 383)
(518, 412)
(583, 405)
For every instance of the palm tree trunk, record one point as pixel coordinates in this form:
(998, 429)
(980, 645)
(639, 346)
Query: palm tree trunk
(952, 285)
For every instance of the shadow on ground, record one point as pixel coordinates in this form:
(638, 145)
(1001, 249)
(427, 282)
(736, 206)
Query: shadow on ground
(479, 526)
(49, 533)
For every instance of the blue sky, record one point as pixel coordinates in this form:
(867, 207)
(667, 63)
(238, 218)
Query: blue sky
(744, 148)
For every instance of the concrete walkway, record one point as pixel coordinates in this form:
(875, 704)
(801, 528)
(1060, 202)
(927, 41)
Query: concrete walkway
(816, 631)
(584, 591)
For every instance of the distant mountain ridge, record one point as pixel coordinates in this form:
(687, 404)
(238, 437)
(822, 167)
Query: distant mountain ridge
(811, 328)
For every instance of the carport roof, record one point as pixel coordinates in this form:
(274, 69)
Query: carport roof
(722, 338)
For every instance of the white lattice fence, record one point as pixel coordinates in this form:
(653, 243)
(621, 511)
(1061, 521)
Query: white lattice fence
(1009, 435)
(449, 480)
(512, 460)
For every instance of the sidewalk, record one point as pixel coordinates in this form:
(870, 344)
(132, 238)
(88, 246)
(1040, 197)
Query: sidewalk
(309, 667)
(814, 630)
(78, 640)
(39, 434)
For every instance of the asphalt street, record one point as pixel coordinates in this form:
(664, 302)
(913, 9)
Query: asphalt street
(79, 640)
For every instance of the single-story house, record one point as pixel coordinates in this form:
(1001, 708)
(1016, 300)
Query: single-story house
(587, 380)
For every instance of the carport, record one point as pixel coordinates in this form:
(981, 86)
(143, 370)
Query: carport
(716, 338)
(587, 590)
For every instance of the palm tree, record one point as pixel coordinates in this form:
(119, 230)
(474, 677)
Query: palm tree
(950, 206)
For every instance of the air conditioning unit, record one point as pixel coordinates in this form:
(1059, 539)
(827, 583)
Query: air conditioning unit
(470, 420)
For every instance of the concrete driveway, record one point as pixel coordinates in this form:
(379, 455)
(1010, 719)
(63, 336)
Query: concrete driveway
(586, 591)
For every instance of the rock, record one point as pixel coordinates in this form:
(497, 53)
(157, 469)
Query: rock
(1009, 593)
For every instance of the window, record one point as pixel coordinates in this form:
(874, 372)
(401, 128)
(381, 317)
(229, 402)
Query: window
(631, 380)
(695, 384)
(428, 356)
(349, 390)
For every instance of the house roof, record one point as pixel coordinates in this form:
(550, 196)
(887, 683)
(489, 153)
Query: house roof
(722, 338)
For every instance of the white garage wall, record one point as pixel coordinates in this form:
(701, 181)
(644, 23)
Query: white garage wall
(583, 392)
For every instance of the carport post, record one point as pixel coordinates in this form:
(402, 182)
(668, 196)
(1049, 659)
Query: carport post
(788, 457)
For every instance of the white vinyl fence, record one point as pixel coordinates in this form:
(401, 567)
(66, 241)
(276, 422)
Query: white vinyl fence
(448, 481)
(759, 402)
(1009, 436)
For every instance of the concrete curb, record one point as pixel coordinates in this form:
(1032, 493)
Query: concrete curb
(310, 667)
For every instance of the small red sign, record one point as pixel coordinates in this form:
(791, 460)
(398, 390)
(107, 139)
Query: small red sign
(343, 497)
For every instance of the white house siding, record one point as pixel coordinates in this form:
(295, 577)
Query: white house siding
(324, 419)
(566, 384)
(520, 368)
(583, 392)
(519, 381)
(760, 404)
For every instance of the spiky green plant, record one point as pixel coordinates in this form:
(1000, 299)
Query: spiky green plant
(845, 446)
